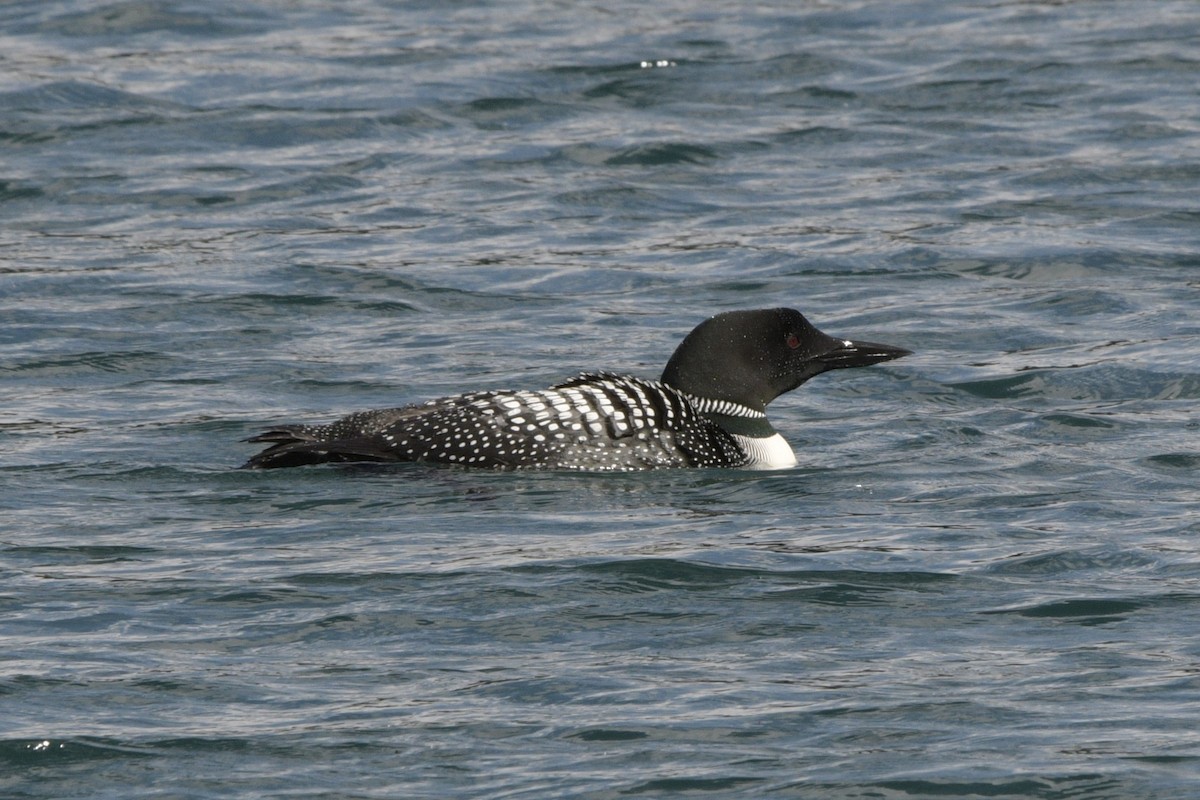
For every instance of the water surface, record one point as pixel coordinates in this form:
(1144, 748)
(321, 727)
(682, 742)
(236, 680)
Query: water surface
(982, 579)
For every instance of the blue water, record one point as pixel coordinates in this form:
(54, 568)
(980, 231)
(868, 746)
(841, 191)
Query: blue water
(983, 580)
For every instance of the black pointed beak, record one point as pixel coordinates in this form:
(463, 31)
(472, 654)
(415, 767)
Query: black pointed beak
(860, 354)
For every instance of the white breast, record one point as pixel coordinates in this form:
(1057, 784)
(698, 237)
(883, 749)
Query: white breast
(772, 452)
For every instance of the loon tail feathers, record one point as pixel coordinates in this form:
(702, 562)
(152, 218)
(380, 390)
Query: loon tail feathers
(292, 448)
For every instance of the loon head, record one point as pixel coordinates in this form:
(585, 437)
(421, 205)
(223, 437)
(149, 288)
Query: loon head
(752, 357)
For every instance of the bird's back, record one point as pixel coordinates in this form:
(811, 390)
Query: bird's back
(596, 421)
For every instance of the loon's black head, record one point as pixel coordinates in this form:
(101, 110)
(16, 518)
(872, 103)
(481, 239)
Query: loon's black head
(752, 357)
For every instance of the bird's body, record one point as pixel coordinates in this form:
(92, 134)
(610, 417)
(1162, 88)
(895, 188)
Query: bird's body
(709, 410)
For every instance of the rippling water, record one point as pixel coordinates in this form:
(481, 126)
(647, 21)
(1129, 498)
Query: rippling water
(982, 580)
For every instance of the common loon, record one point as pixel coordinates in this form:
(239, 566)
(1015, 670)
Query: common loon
(707, 410)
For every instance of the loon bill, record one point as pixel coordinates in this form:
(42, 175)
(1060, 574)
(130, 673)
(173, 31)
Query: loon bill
(709, 409)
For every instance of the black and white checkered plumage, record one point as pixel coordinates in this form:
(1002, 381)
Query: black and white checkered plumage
(709, 410)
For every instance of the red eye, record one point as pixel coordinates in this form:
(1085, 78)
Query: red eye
(793, 341)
